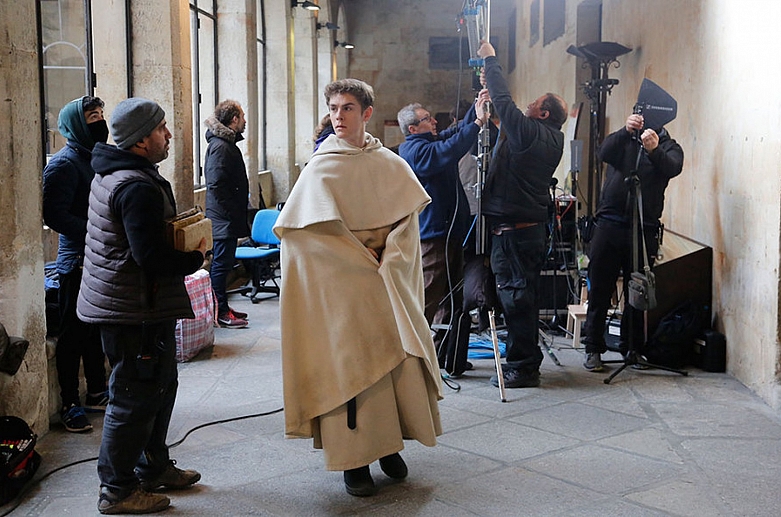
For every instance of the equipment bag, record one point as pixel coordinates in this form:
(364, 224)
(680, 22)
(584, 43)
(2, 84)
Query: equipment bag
(12, 352)
(672, 343)
(454, 348)
(642, 291)
(18, 459)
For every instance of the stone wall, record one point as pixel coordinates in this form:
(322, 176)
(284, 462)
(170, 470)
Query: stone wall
(716, 57)
(21, 250)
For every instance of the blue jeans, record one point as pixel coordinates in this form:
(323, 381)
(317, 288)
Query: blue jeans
(222, 264)
(517, 257)
(142, 392)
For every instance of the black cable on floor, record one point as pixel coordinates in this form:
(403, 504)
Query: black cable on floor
(26, 489)
(449, 382)
(207, 424)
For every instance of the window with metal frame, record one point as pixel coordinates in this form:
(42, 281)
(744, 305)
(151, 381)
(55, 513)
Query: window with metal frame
(203, 55)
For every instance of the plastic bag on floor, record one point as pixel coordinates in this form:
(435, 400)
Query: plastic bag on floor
(193, 335)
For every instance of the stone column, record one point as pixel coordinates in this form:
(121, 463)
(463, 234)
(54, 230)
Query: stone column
(22, 305)
(109, 51)
(238, 80)
(307, 108)
(162, 72)
(325, 66)
(280, 107)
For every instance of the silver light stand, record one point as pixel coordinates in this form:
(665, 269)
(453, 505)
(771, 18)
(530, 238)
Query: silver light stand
(477, 15)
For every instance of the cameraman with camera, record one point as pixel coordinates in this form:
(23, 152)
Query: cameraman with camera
(610, 249)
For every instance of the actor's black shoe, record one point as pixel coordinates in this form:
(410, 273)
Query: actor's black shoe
(517, 379)
(359, 482)
(394, 466)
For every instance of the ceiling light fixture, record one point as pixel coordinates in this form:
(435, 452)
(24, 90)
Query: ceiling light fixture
(343, 44)
(309, 6)
(327, 25)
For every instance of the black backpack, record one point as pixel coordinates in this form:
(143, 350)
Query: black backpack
(672, 343)
(18, 459)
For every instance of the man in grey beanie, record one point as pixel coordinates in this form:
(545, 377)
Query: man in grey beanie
(133, 289)
(133, 119)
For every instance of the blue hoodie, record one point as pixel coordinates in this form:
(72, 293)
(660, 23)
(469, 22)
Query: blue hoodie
(434, 159)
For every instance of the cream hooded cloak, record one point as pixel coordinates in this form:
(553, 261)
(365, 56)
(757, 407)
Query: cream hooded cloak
(347, 320)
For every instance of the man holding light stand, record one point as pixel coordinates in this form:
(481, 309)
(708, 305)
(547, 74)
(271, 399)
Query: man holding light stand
(515, 205)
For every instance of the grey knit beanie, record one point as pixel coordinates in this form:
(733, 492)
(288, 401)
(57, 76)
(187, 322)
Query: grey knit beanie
(133, 119)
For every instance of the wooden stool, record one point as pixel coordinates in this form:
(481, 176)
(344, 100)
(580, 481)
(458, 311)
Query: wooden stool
(576, 315)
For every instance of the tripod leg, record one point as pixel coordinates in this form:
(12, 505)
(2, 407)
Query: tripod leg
(497, 355)
(547, 348)
(643, 362)
(612, 375)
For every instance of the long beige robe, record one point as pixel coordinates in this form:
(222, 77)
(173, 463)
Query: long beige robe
(348, 320)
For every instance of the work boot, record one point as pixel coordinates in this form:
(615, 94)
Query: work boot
(517, 378)
(171, 478)
(138, 501)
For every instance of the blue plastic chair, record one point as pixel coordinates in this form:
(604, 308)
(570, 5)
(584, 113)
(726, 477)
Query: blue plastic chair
(261, 255)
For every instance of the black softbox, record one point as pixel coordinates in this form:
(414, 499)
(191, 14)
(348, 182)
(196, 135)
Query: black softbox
(656, 105)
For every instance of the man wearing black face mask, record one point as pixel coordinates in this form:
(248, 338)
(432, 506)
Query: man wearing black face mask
(66, 187)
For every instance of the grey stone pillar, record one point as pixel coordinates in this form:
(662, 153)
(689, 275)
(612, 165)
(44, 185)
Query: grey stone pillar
(238, 80)
(162, 72)
(306, 105)
(22, 305)
(280, 113)
(109, 52)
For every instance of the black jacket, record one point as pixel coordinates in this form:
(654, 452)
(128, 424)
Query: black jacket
(517, 187)
(132, 274)
(227, 187)
(619, 151)
(66, 184)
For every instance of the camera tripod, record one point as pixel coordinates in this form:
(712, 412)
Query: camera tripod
(632, 357)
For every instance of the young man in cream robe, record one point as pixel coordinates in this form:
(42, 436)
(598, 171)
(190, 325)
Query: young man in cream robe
(360, 372)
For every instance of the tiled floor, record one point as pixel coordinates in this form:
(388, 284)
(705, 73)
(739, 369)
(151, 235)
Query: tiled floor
(649, 444)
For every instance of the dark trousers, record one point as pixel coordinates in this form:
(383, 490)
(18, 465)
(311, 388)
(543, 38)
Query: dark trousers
(77, 342)
(610, 253)
(437, 262)
(516, 259)
(142, 392)
(222, 264)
